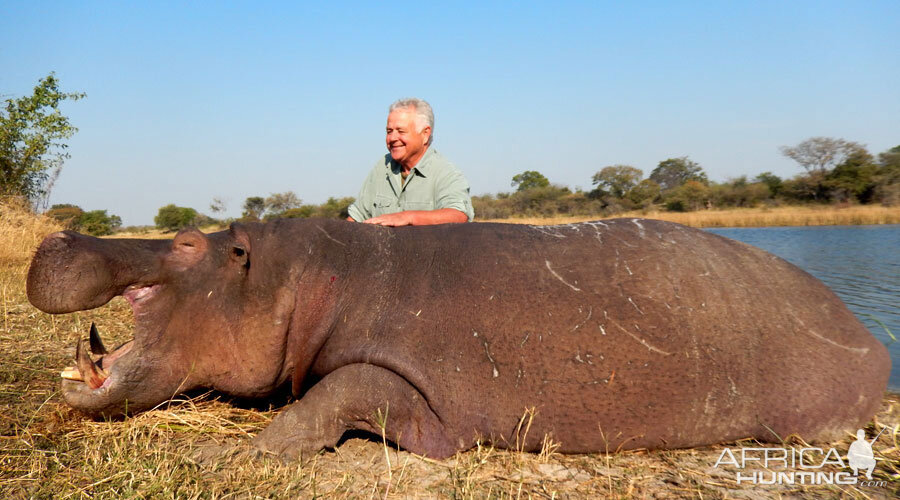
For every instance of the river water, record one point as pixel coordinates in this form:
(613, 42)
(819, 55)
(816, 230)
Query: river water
(860, 263)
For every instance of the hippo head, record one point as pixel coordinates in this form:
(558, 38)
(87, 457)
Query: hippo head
(188, 296)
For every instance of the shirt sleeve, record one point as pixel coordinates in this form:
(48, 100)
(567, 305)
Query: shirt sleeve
(361, 208)
(452, 191)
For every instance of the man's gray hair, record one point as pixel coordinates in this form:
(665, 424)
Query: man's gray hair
(424, 114)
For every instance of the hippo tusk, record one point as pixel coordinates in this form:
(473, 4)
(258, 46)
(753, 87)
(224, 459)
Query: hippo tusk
(88, 371)
(97, 346)
(71, 373)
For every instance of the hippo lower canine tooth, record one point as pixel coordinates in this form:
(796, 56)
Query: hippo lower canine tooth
(91, 375)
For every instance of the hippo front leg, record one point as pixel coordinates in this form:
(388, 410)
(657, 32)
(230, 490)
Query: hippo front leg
(358, 396)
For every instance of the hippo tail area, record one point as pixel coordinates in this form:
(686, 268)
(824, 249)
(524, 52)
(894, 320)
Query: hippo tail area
(825, 375)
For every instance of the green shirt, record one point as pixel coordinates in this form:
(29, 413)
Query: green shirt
(432, 184)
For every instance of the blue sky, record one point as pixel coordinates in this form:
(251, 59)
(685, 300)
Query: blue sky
(190, 101)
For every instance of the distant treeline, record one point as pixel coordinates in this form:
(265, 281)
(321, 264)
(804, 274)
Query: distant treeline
(835, 171)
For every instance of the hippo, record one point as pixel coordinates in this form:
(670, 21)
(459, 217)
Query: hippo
(607, 335)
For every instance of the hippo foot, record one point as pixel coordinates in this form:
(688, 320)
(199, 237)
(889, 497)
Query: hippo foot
(345, 400)
(295, 434)
(289, 448)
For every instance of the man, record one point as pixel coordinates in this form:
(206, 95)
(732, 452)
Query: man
(413, 184)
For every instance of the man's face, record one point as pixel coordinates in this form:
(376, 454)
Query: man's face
(405, 144)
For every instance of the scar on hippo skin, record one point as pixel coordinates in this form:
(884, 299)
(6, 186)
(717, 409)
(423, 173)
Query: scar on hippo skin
(677, 338)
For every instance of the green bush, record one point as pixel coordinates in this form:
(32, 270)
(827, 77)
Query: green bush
(692, 195)
(67, 215)
(99, 223)
(301, 212)
(94, 222)
(332, 208)
(173, 218)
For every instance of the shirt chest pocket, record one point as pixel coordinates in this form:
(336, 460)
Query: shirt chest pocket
(384, 205)
(384, 202)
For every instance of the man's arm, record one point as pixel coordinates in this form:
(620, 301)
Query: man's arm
(419, 217)
(360, 209)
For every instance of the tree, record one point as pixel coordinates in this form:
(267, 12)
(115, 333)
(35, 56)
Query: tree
(95, 222)
(809, 187)
(618, 180)
(301, 212)
(173, 218)
(821, 154)
(739, 193)
(692, 195)
(890, 158)
(254, 207)
(278, 203)
(529, 179)
(66, 214)
(887, 180)
(32, 151)
(335, 207)
(644, 193)
(772, 181)
(673, 172)
(98, 222)
(853, 178)
(217, 205)
(539, 200)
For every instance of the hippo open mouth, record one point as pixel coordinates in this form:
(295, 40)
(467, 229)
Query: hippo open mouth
(96, 369)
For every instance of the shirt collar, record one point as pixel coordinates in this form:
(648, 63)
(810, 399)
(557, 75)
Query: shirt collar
(421, 168)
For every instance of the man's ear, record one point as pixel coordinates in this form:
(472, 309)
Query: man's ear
(240, 247)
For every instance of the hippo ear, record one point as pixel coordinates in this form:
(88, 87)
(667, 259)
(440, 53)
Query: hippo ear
(240, 255)
(240, 247)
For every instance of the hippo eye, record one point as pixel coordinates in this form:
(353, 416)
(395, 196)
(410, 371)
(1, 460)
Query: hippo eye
(238, 252)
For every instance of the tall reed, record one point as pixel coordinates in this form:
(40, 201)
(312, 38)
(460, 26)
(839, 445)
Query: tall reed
(750, 217)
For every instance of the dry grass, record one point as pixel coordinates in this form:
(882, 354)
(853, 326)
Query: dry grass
(194, 448)
(158, 234)
(752, 217)
(20, 230)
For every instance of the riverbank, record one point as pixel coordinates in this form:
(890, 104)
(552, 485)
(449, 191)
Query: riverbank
(748, 217)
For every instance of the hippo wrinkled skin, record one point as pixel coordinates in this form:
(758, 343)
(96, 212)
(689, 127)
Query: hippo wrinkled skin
(613, 335)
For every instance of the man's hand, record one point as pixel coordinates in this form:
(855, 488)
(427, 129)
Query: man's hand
(397, 219)
(419, 217)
